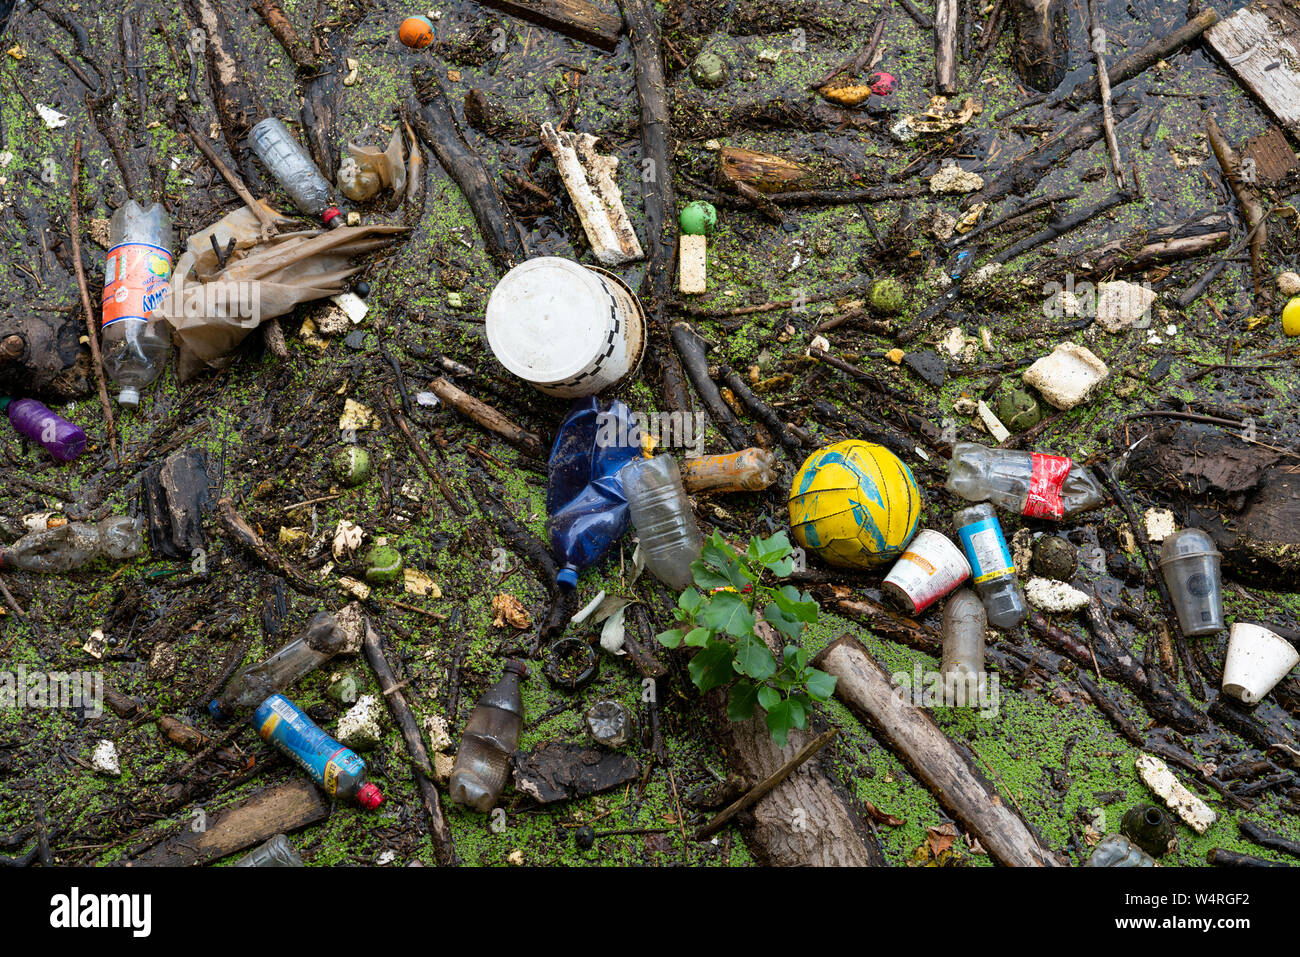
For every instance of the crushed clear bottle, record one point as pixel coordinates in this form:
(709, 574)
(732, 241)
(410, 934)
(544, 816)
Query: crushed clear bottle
(1027, 483)
(292, 167)
(320, 641)
(64, 548)
(662, 516)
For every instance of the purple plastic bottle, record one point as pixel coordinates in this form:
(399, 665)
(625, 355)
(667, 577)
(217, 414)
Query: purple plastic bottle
(61, 438)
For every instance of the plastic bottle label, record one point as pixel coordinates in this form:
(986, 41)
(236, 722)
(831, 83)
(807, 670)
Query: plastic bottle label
(986, 550)
(279, 722)
(1045, 484)
(135, 281)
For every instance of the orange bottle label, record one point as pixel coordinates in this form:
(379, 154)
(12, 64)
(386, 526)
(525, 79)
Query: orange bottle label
(135, 281)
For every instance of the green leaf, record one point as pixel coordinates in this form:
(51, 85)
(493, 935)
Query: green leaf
(727, 612)
(768, 697)
(690, 601)
(697, 637)
(800, 607)
(753, 658)
(782, 622)
(780, 719)
(744, 694)
(717, 553)
(711, 667)
(706, 578)
(819, 684)
(799, 711)
(669, 639)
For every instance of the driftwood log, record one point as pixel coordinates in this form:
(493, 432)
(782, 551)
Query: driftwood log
(432, 117)
(942, 765)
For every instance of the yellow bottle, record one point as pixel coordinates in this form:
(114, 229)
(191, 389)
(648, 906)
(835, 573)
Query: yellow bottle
(748, 470)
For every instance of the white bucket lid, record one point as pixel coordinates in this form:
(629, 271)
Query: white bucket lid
(548, 319)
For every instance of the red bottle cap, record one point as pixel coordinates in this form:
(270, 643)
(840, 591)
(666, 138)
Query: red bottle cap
(330, 214)
(369, 797)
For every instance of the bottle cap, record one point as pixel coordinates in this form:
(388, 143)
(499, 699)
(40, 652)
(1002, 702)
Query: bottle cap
(129, 396)
(369, 797)
(218, 712)
(329, 215)
(568, 577)
(518, 667)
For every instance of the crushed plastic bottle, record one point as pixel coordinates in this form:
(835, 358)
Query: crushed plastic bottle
(962, 666)
(74, 545)
(335, 768)
(320, 641)
(749, 470)
(136, 271)
(1028, 483)
(662, 516)
(491, 737)
(992, 570)
(291, 165)
(1117, 850)
(585, 502)
(62, 439)
(277, 852)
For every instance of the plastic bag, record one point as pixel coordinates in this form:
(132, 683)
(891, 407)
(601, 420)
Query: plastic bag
(211, 309)
(585, 503)
(365, 170)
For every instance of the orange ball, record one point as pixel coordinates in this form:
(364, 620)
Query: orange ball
(416, 32)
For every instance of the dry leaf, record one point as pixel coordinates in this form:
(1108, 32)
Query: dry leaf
(418, 583)
(509, 610)
(880, 817)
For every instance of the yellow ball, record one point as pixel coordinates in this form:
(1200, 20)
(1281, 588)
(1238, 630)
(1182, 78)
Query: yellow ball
(855, 504)
(1291, 317)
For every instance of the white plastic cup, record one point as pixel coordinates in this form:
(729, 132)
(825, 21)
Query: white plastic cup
(931, 567)
(1257, 660)
(569, 330)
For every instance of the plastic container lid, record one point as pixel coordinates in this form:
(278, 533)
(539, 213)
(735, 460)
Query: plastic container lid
(369, 797)
(129, 396)
(548, 319)
(1189, 543)
(567, 577)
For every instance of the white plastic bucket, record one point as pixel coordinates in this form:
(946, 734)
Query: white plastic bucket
(931, 567)
(1257, 660)
(569, 330)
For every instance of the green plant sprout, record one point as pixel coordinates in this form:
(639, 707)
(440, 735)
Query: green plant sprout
(719, 615)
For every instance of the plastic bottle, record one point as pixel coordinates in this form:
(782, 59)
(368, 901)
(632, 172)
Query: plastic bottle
(277, 852)
(491, 736)
(74, 545)
(992, 570)
(1117, 850)
(662, 516)
(335, 768)
(585, 502)
(62, 439)
(320, 641)
(136, 270)
(1029, 483)
(749, 470)
(962, 666)
(292, 166)
(1189, 563)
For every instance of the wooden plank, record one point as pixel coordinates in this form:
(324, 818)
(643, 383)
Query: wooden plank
(1260, 44)
(271, 811)
(1273, 156)
(573, 18)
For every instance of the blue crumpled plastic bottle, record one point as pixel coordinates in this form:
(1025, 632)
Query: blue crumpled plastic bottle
(584, 498)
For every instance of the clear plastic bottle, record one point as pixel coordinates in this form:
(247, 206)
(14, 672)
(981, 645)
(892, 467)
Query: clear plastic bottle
(962, 667)
(136, 271)
(491, 736)
(335, 768)
(992, 570)
(1028, 483)
(1116, 850)
(661, 514)
(292, 166)
(749, 470)
(74, 545)
(277, 852)
(320, 641)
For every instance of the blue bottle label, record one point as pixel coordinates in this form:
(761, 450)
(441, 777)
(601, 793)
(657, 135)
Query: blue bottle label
(280, 722)
(986, 550)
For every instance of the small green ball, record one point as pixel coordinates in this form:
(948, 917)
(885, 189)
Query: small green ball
(887, 296)
(352, 465)
(1055, 558)
(709, 71)
(383, 565)
(1018, 409)
(699, 218)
